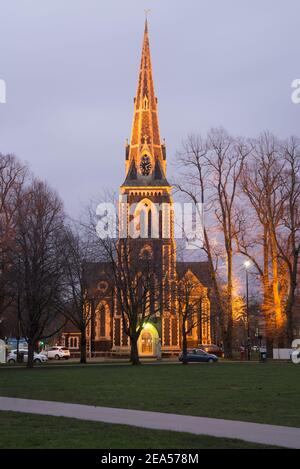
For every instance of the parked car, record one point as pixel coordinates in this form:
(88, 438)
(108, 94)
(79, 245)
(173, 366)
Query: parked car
(58, 352)
(12, 343)
(212, 348)
(198, 355)
(37, 357)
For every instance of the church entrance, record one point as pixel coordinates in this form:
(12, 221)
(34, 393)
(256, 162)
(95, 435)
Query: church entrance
(148, 340)
(147, 343)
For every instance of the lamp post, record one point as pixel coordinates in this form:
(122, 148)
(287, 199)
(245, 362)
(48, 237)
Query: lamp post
(247, 264)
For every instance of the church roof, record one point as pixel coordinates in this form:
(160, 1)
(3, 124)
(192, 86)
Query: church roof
(200, 269)
(94, 272)
(70, 328)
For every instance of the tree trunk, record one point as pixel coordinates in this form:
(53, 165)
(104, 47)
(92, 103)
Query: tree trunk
(268, 303)
(220, 316)
(279, 319)
(227, 340)
(290, 304)
(134, 353)
(30, 360)
(83, 346)
(269, 346)
(229, 312)
(290, 323)
(184, 345)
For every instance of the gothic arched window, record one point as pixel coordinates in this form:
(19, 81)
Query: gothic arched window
(145, 103)
(102, 321)
(146, 217)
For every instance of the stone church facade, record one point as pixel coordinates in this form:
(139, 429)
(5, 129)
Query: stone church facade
(145, 187)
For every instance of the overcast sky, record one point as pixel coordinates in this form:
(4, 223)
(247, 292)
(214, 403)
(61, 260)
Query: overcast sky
(71, 71)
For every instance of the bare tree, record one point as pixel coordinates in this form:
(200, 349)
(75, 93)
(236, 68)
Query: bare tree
(192, 161)
(288, 241)
(226, 162)
(12, 180)
(74, 303)
(137, 275)
(37, 263)
(211, 172)
(138, 287)
(264, 185)
(189, 307)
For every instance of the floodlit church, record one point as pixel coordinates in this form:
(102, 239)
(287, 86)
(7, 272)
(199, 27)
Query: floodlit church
(145, 183)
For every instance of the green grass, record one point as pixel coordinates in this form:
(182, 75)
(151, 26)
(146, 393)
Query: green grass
(42, 432)
(267, 393)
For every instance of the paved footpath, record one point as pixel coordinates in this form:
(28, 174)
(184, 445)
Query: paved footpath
(288, 437)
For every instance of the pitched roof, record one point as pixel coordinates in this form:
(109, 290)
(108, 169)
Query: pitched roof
(94, 272)
(200, 269)
(70, 328)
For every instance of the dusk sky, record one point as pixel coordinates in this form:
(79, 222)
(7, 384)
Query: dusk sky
(71, 70)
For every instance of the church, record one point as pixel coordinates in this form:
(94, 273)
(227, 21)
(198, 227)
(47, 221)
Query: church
(145, 185)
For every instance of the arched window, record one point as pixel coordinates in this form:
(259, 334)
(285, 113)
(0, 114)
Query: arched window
(102, 323)
(149, 223)
(73, 342)
(189, 326)
(102, 320)
(146, 220)
(145, 103)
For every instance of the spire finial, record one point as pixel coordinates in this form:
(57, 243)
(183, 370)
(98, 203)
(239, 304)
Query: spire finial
(146, 18)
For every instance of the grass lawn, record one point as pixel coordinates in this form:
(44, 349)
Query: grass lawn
(267, 393)
(42, 432)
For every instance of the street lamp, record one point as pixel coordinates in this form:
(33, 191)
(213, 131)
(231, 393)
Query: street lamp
(247, 265)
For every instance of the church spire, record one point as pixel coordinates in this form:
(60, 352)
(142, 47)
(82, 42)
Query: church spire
(145, 154)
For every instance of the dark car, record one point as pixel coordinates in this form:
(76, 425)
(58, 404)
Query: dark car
(212, 348)
(198, 355)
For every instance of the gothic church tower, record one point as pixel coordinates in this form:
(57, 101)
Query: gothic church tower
(146, 198)
(147, 191)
